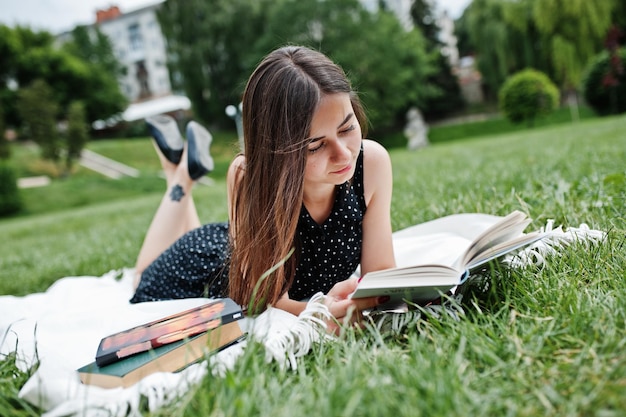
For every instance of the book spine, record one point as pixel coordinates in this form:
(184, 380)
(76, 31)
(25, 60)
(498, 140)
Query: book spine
(165, 339)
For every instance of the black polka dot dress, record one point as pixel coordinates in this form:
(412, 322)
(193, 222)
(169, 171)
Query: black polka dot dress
(196, 265)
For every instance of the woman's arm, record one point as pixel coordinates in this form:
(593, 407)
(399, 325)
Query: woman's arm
(377, 250)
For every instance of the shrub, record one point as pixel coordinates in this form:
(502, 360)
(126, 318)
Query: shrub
(527, 95)
(10, 201)
(604, 83)
(77, 132)
(5, 149)
(38, 111)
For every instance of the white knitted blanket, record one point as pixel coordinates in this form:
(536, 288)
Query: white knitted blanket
(60, 328)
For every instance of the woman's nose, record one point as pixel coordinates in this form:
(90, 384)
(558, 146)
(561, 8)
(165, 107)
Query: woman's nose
(341, 152)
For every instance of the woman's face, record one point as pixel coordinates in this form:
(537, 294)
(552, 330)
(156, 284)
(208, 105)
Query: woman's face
(336, 142)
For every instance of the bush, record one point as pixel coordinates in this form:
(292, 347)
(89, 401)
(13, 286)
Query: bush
(77, 132)
(10, 201)
(604, 87)
(527, 95)
(38, 111)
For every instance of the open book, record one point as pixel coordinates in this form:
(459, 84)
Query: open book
(453, 246)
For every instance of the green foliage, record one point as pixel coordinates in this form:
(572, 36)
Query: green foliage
(490, 35)
(94, 47)
(77, 131)
(369, 58)
(604, 88)
(557, 37)
(13, 378)
(576, 30)
(211, 51)
(102, 97)
(447, 98)
(10, 200)
(38, 110)
(527, 95)
(5, 149)
(73, 74)
(215, 54)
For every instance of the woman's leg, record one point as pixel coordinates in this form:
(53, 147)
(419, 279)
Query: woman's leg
(175, 216)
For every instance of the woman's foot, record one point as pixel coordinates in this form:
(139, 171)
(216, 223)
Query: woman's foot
(199, 158)
(164, 130)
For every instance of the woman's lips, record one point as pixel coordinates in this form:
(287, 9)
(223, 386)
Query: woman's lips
(344, 170)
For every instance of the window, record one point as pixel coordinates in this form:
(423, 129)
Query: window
(134, 37)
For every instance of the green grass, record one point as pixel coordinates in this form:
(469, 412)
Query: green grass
(85, 187)
(498, 124)
(546, 341)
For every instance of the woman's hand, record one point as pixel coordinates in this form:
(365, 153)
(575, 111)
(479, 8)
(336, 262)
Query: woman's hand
(346, 311)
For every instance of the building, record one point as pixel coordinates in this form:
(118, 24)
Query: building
(140, 47)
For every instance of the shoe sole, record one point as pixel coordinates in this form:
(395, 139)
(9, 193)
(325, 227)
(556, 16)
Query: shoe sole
(165, 133)
(199, 158)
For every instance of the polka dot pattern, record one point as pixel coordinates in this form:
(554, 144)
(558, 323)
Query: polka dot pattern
(330, 252)
(196, 264)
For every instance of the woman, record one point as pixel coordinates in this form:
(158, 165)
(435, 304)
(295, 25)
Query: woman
(307, 181)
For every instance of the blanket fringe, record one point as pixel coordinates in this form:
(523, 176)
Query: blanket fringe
(554, 241)
(286, 343)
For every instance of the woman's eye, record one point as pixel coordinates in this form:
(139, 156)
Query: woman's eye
(348, 129)
(316, 148)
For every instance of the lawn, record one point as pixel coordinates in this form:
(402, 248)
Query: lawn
(546, 341)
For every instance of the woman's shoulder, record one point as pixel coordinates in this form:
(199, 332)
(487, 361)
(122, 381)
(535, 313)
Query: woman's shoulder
(235, 173)
(374, 154)
(377, 172)
(237, 167)
(238, 161)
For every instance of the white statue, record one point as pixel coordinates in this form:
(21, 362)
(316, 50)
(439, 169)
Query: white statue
(416, 130)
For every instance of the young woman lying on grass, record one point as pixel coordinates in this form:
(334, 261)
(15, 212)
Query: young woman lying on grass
(307, 180)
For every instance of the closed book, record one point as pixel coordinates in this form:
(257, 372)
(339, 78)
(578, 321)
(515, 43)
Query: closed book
(171, 357)
(172, 328)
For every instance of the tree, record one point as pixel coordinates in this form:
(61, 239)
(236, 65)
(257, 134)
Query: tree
(489, 33)
(576, 30)
(447, 98)
(557, 37)
(211, 52)
(38, 110)
(77, 132)
(94, 47)
(102, 97)
(5, 149)
(30, 55)
(215, 53)
(10, 199)
(387, 64)
(604, 86)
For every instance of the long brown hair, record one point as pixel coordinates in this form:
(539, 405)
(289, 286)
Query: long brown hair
(278, 105)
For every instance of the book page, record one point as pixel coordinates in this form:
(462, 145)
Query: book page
(439, 248)
(504, 247)
(466, 225)
(512, 226)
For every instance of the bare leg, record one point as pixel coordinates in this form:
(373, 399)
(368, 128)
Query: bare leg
(175, 216)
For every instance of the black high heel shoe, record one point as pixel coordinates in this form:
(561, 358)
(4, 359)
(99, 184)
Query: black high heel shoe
(199, 158)
(164, 130)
